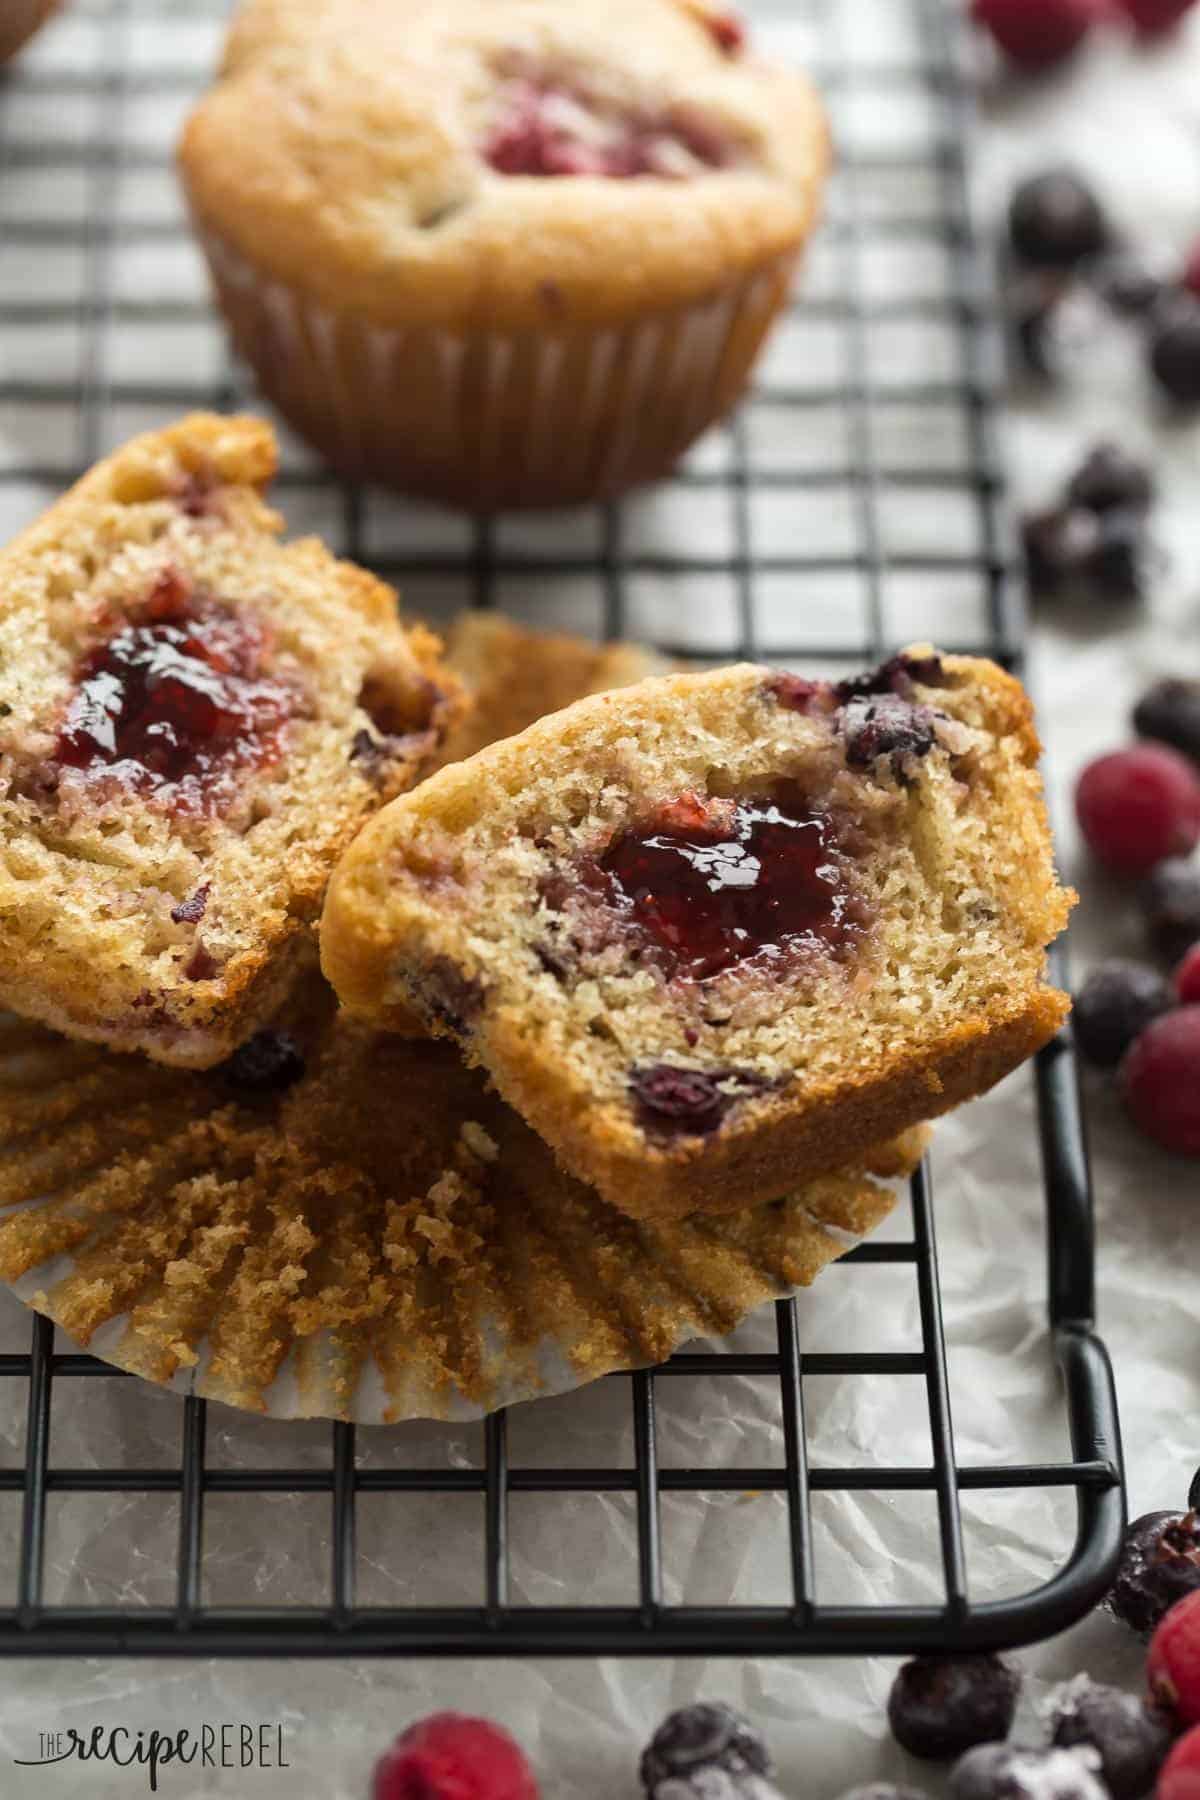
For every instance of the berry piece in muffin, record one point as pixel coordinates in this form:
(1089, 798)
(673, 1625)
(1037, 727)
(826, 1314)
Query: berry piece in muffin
(194, 720)
(713, 932)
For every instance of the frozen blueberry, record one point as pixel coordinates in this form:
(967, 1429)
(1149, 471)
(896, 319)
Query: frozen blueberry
(1011, 1772)
(1115, 1005)
(1057, 543)
(940, 1706)
(1159, 1565)
(694, 1748)
(1170, 712)
(1131, 1739)
(266, 1063)
(1170, 898)
(1175, 349)
(886, 726)
(1120, 561)
(1109, 477)
(690, 1101)
(1126, 284)
(1055, 221)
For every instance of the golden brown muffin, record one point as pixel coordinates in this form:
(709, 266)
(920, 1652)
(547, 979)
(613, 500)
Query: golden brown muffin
(19, 19)
(339, 1223)
(501, 252)
(712, 933)
(194, 720)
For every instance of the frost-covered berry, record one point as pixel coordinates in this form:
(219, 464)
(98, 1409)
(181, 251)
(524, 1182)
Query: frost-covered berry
(1131, 1738)
(1160, 1563)
(940, 1706)
(1011, 1772)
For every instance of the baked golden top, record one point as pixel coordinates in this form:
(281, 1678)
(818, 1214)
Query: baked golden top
(345, 150)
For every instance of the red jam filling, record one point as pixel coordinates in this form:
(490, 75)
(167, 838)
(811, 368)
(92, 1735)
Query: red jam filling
(723, 883)
(544, 128)
(175, 702)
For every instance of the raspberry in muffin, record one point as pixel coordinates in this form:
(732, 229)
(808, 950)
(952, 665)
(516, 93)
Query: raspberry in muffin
(194, 720)
(502, 252)
(710, 933)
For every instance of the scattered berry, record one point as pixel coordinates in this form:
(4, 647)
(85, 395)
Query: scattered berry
(1187, 978)
(1175, 349)
(1036, 34)
(1010, 1772)
(1057, 544)
(1160, 1084)
(451, 1757)
(1110, 478)
(1114, 1006)
(1126, 285)
(1170, 899)
(940, 1706)
(1173, 1660)
(266, 1063)
(700, 1739)
(1150, 17)
(1170, 713)
(1118, 563)
(1055, 220)
(728, 32)
(1131, 1738)
(1139, 806)
(1180, 1778)
(1159, 1565)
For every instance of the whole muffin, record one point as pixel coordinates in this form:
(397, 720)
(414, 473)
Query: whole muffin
(502, 252)
(19, 19)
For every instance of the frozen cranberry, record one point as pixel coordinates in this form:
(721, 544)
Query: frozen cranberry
(1180, 1777)
(1170, 898)
(1115, 1004)
(697, 1739)
(451, 1757)
(1187, 978)
(1055, 220)
(1037, 34)
(1160, 1084)
(1160, 1563)
(1170, 712)
(940, 1706)
(1137, 807)
(266, 1063)
(1175, 349)
(1173, 1660)
(1153, 16)
(175, 700)
(1131, 1738)
(1109, 478)
(758, 879)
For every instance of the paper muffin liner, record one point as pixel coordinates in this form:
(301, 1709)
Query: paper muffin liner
(552, 417)
(381, 1240)
(19, 19)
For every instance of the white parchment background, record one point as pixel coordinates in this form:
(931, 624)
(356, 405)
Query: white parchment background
(1134, 119)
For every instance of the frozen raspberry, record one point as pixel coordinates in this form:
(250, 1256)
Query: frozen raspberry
(1180, 1778)
(1173, 1660)
(1114, 1006)
(1170, 713)
(451, 1757)
(1131, 1738)
(701, 1741)
(1011, 1772)
(1170, 898)
(1159, 1565)
(1110, 477)
(940, 1706)
(265, 1064)
(1160, 1084)
(1150, 17)
(1137, 807)
(1187, 978)
(1175, 349)
(1055, 221)
(1037, 34)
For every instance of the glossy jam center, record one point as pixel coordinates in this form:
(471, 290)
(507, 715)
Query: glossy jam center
(543, 128)
(175, 699)
(761, 881)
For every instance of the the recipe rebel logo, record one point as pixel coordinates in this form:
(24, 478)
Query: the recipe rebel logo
(149, 1752)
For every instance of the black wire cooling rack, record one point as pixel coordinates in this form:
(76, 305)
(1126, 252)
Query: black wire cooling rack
(85, 194)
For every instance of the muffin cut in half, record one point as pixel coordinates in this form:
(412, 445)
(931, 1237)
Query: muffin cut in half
(714, 933)
(194, 720)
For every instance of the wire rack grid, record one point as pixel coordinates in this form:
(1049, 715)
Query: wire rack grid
(862, 469)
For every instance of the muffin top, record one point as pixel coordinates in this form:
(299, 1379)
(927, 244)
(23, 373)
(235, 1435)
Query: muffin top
(509, 164)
